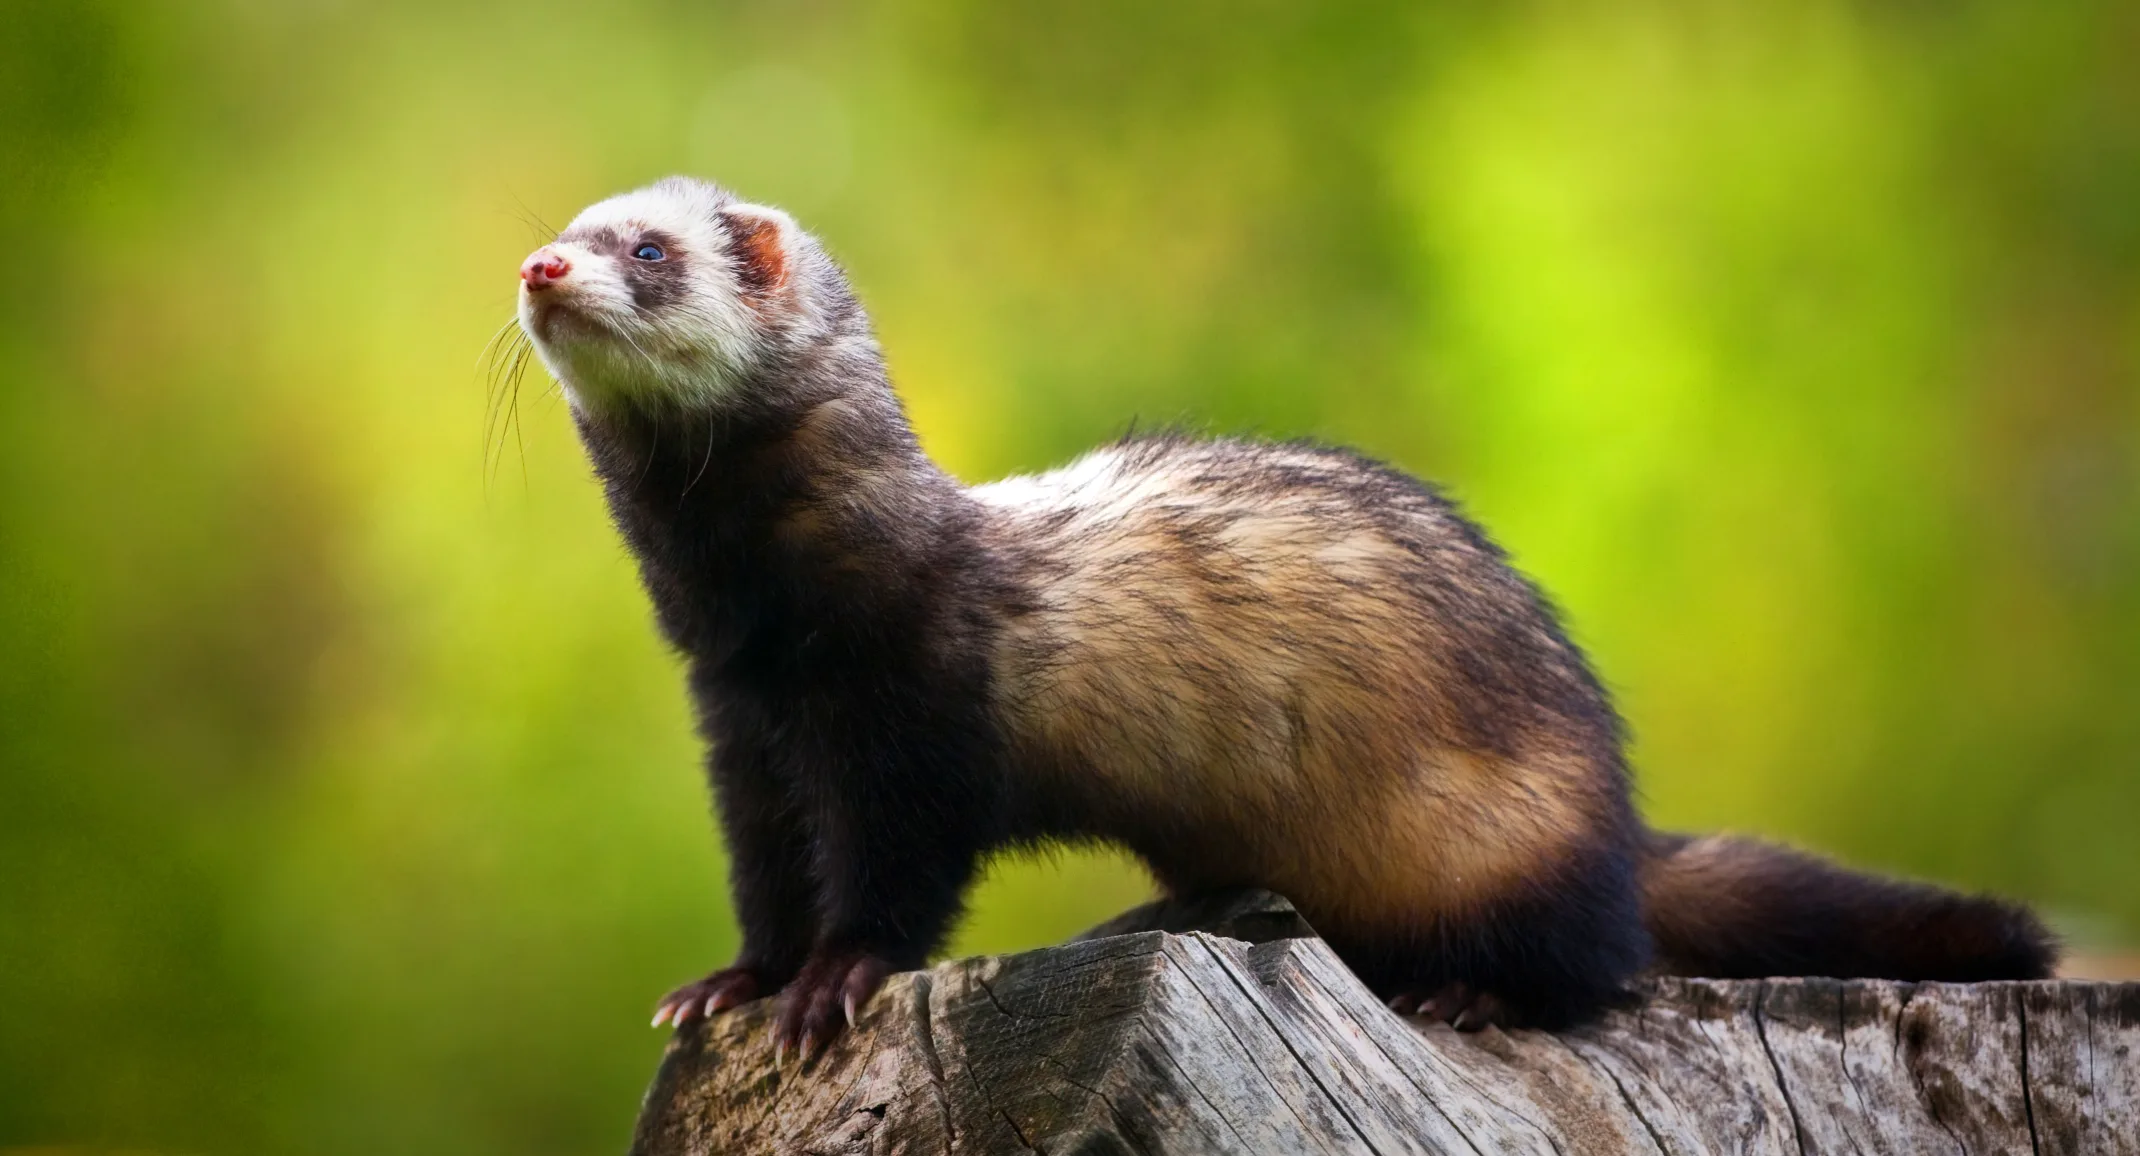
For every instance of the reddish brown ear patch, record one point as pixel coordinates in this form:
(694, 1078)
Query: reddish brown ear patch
(761, 258)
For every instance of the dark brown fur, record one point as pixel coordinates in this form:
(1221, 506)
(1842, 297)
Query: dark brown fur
(1736, 909)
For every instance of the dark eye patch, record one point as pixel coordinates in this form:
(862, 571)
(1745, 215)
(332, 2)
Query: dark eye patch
(654, 285)
(658, 284)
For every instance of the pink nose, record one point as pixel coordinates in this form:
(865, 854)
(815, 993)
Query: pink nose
(542, 267)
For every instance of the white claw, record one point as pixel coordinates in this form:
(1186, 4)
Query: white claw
(848, 1005)
(660, 1014)
(707, 1011)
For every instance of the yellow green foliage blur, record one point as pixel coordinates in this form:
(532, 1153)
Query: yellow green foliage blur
(348, 803)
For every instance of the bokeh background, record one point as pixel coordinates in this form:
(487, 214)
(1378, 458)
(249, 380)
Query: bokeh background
(347, 801)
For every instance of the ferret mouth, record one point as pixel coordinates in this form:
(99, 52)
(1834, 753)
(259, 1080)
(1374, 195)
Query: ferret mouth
(552, 315)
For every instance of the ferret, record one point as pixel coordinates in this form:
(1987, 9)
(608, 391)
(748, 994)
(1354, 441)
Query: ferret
(1275, 664)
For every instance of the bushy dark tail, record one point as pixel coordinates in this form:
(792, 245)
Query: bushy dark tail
(1734, 908)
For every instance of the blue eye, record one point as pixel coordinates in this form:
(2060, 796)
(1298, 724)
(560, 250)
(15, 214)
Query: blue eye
(649, 253)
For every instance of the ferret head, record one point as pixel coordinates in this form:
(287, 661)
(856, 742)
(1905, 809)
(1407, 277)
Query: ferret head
(675, 296)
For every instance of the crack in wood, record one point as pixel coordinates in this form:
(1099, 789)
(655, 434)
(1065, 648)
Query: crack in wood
(2028, 1096)
(1798, 1128)
(1425, 1093)
(1259, 1003)
(1247, 1052)
(1916, 1075)
(1842, 1062)
(1190, 1082)
(925, 1042)
(1656, 1140)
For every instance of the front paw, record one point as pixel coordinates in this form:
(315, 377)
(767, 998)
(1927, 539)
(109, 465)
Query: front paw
(724, 989)
(831, 991)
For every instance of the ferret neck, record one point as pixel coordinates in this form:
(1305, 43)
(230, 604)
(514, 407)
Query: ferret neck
(753, 512)
(802, 429)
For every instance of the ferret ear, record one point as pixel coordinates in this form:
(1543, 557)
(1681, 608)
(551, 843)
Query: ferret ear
(760, 240)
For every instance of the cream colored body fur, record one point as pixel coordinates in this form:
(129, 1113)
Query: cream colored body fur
(1227, 673)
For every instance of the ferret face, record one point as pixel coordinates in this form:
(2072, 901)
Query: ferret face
(663, 297)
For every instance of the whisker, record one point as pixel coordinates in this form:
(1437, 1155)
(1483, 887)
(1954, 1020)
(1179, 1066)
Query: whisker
(701, 467)
(494, 389)
(520, 374)
(626, 335)
(496, 355)
(532, 219)
(508, 362)
(527, 214)
(512, 325)
(506, 417)
(652, 449)
(519, 428)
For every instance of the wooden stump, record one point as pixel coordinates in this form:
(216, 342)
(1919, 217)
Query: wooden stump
(1223, 1027)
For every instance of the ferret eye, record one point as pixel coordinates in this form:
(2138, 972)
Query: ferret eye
(649, 252)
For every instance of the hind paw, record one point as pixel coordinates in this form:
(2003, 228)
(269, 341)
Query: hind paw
(1461, 1006)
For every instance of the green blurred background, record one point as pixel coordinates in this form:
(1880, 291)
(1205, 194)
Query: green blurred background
(348, 803)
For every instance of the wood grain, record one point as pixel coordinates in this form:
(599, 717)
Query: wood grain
(1154, 1038)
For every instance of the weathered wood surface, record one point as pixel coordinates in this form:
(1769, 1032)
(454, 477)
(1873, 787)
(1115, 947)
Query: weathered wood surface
(1183, 1041)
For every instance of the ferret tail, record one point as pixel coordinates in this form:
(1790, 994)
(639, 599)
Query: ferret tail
(1738, 909)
